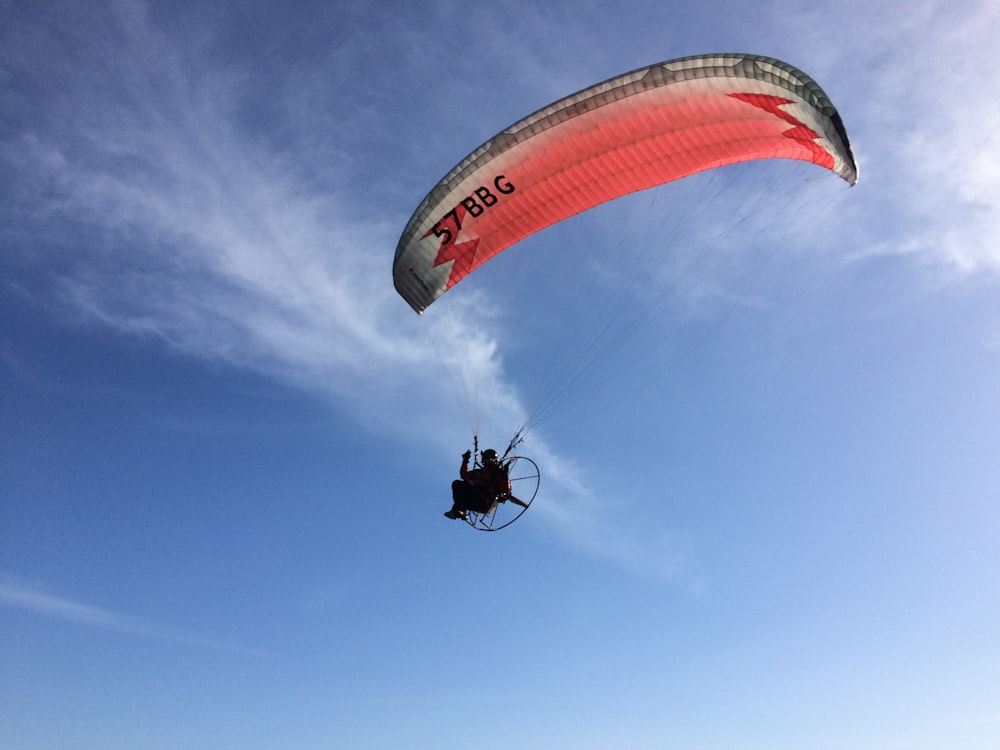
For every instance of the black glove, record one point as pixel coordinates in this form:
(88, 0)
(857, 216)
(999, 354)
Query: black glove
(466, 456)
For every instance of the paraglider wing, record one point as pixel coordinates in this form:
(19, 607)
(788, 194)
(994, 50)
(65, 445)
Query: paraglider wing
(633, 132)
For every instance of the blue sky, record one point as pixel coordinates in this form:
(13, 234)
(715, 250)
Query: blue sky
(769, 511)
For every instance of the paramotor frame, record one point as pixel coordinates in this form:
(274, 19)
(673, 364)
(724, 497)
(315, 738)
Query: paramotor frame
(524, 480)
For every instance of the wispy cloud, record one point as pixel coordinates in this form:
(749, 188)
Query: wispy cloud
(17, 594)
(917, 95)
(192, 231)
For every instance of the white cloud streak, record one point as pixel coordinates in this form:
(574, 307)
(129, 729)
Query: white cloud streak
(918, 94)
(16, 594)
